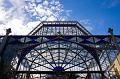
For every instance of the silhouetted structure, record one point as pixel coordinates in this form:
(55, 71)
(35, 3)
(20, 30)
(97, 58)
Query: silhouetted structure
(58, 50)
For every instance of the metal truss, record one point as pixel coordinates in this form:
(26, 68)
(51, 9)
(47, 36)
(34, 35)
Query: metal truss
(61, 47)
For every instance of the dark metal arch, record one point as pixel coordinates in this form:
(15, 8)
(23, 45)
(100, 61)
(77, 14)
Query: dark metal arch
(84, 46)
(69, 41)
(67, 49)
(56, 48)
(86, 66)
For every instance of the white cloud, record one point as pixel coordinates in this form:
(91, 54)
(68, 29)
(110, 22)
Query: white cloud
(45, 3)
(38, 0)
(31, 25)
(2, 14)
(51, 18)
(1, 2)
(22, 16)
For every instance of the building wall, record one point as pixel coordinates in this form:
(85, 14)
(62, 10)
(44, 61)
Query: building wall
(115, 67)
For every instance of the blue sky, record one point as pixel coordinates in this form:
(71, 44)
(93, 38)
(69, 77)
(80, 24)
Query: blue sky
(95, 15)
(101, 14)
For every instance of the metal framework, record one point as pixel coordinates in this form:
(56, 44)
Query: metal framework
(60, 47)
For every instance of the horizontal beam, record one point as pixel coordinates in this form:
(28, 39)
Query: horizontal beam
(52, 72)
(93, 39)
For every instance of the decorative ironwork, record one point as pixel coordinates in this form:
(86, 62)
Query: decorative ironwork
(58, 47)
